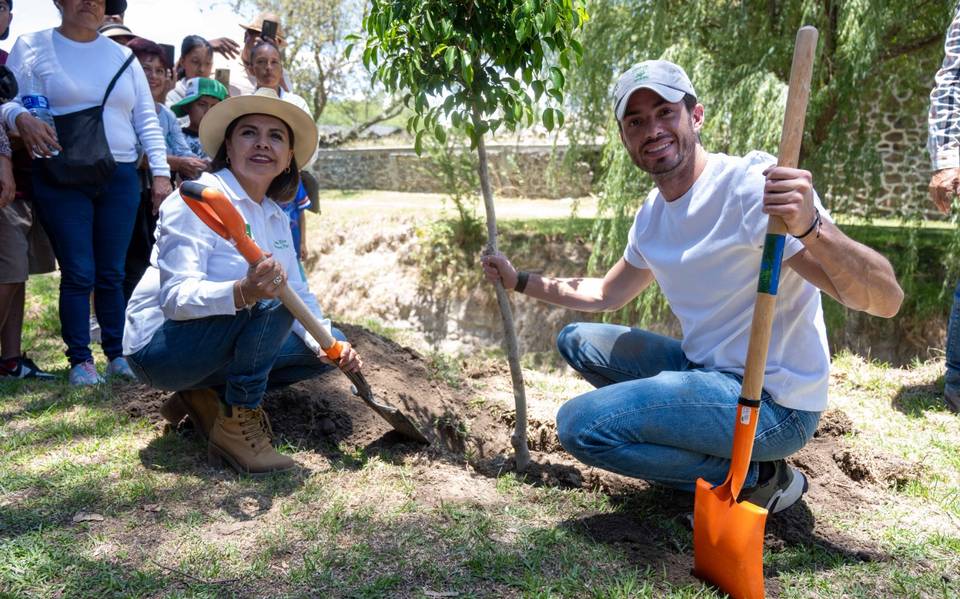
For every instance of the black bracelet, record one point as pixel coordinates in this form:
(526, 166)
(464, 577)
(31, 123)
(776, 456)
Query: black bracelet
(814, 225)
(522, 277)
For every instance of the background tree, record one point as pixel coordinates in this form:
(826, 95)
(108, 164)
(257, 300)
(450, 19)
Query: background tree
(479, 65)
(315, 33)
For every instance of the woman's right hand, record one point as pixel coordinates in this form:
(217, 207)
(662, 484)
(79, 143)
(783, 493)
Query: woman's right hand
(38, 137)
(263, 280)
(497, 267)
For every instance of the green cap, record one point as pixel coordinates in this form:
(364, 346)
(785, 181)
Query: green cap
(196, 87)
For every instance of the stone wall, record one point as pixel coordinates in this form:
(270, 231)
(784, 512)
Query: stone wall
(516, 171)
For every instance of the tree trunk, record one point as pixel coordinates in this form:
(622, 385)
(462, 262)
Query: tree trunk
(519, 437)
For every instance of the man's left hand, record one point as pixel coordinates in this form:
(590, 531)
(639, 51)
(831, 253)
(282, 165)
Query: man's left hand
(161, 189)
(788, 193)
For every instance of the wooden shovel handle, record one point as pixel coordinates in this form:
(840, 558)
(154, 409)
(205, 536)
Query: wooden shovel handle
(748, 411)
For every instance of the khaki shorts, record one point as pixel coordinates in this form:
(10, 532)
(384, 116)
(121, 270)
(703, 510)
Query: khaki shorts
(24, 247)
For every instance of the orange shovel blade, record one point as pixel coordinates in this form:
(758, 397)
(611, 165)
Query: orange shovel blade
(728, 541)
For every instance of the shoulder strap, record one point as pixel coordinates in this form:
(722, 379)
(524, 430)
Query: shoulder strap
(115, 77)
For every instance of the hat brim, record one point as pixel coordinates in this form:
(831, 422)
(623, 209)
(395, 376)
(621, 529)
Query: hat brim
(670, 94)
(214, 125)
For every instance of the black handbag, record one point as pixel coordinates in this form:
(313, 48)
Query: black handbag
(85, 157)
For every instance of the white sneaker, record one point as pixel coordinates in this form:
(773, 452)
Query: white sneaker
(118, 367)
(85, 374)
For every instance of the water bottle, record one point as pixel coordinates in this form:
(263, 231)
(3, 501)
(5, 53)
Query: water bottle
(35, 101)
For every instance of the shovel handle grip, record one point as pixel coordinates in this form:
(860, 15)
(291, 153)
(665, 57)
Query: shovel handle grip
(216, 210)
(748, 409)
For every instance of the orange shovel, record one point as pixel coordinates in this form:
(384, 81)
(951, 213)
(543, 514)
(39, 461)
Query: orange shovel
(217, 212)
(727, 534)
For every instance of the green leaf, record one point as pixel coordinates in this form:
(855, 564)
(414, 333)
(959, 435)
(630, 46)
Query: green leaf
(440, 134)
(556, 76)
(577, 47)
(349, 49)
(466, 67)
(564, 60)
(523, 31)
(547, 119)
(418, 143)
(537, 87)
(560, 118)
(438, 50)
(450, 58)
(549, 18)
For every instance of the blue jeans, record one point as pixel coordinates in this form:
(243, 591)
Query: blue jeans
(953, 342)
(90, 229)
(241, 355)
(657, 416)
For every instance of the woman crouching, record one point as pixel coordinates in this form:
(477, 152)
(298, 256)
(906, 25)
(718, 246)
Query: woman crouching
(205, 324)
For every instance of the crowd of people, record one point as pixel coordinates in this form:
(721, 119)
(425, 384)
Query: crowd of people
(104, 125)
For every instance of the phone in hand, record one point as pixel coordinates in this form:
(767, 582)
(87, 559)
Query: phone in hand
(269, 30)
(223, 76)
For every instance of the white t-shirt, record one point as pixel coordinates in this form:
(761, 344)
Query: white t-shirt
(704, 249)
(75, 75)
(192, 269)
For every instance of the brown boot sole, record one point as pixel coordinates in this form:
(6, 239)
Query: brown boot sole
(173, 409)
(218, 458)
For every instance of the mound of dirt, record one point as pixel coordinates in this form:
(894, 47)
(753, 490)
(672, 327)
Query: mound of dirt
(322, 415)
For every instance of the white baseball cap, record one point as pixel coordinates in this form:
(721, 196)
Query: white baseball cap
(663, 77)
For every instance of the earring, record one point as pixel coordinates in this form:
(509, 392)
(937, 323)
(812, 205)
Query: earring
(287, 170)
(228, 161)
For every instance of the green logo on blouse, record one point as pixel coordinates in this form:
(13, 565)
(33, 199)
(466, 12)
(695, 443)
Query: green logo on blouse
(246, 227)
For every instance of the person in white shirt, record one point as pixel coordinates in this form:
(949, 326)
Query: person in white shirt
(201, 318)
(90, 225)
(242, 79)
(664, 409)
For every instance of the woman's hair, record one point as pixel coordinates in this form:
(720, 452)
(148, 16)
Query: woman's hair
(284, 186)
(188, 45)
(143, 48)
(264, 43)
(6, 32)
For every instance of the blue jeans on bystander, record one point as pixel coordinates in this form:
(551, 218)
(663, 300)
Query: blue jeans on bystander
(90, 229)
(241, 355)
(657, 416)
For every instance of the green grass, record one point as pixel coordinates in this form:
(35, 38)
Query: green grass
(372, 524)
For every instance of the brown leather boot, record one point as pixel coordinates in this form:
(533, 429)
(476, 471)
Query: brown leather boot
(201, 405)
(241, 437)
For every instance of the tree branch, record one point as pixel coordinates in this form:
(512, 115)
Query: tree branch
(338, 139)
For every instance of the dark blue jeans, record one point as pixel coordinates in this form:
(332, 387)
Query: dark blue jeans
(90, 228)
(241, 355)
(658, 416)
(953, 342)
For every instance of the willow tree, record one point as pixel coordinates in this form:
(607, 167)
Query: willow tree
(478, 65)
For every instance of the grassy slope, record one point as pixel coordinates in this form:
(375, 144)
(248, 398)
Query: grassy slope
(375, 525)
